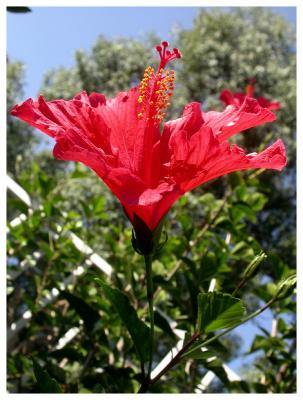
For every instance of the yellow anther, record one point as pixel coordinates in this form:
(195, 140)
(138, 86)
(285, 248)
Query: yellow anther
(154, 92)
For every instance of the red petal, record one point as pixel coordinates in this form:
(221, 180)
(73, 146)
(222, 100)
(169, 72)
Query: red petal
(190, 122)
(72, 146)
(153, 213)
(227, 97)
(30, 112)
(232, 158)
(146, 171)
(128, 132)
(237, 119)
(271, 105)
(179, 145)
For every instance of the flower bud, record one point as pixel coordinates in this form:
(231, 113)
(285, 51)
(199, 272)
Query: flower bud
(145, 241)
(286, 287)
(253, 267)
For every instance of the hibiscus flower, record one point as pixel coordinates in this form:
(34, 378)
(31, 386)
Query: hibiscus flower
(146, 163)
(238, 98)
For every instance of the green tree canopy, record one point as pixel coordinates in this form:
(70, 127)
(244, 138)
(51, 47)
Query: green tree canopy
(20, 137)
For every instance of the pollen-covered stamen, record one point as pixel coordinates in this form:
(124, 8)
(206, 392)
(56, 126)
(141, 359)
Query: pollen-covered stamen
(156, 89)
(163, 93)
(145, 83)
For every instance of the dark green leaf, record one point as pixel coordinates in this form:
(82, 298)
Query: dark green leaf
(216, 367)
(259, 387)
(162, 323)
(239, 387)
(201, 355)
(111, 380)
(257, 201)
(218, 311)
(219, 348)
(19, 205)
(240, 210)
(67, 352)
(45, 382)
(266, 343)
(190, 263)
(57, 373)
(139, 331)
(89, 315)
(208, 266)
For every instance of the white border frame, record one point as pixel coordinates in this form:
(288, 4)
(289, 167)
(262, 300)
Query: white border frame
(156, 3)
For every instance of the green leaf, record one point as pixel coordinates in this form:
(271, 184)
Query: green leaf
(218, 311)
(239, 387)
(240, 210)
(67, 352)
(216, 366)
(18, 204)
(259, 387)
(89, 315)
(45, 382)
(208, 267)
(257, 201)
(201, 355)
(162, 323)
(138, 330)
(111, 380)
(266, 343)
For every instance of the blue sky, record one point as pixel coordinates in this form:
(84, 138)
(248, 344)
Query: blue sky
(49, 36)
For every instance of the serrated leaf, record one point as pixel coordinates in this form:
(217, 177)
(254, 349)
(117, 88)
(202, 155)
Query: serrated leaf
(45, 382)
(218, 311)
(138, 330)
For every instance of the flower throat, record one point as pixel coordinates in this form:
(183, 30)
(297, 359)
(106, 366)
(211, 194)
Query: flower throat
(156, 89)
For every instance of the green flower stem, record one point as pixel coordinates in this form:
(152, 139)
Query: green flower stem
(150, 298)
